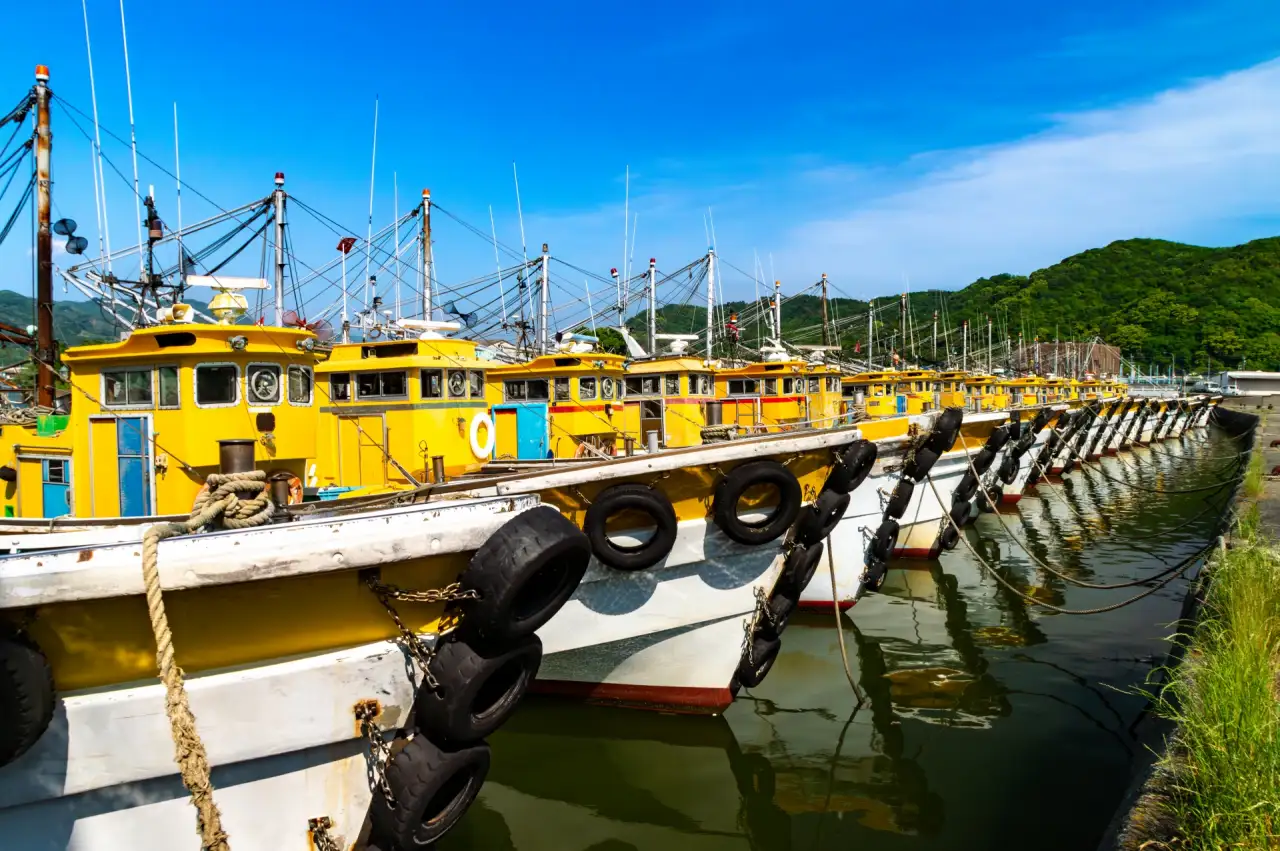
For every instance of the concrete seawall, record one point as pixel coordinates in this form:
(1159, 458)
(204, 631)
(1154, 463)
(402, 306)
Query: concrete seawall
(1138, 822)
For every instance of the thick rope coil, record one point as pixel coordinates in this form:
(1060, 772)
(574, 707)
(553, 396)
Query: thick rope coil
(233, 501)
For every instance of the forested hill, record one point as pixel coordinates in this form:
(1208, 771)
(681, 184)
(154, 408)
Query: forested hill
(1150, 297)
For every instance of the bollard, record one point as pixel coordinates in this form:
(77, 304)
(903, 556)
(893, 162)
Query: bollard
(437, 469)
(235, 456)
(630, 443)
(280, 494)
(651, 441)
(715, 413)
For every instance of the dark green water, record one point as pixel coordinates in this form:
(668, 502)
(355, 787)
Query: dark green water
(990, 723)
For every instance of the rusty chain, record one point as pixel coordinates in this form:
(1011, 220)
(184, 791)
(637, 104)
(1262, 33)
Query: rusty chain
(421, 651)
(379, 749)
(319, 829)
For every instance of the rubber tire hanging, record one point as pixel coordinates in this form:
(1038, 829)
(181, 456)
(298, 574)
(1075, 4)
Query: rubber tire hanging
(631, 497)
(478, 691)
(27, 698)
(419, 776)
(525, 572)
(741, 479)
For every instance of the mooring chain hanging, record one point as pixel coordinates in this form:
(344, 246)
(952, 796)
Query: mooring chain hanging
(321, 838)
(379, 748)
(413, 642)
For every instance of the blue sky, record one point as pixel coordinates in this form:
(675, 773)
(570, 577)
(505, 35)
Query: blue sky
(927, 142)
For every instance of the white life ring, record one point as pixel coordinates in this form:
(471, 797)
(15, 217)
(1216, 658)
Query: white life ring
(482, 419)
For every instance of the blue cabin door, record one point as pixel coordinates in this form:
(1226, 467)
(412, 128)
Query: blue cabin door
(902, 404)
(531, 431)
(55, 487)
(133, 449)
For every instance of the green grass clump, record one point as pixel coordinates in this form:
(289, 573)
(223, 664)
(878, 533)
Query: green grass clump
(1253, 477)
(1222, 775)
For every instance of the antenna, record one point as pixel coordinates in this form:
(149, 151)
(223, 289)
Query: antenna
(99, 182)
(133, 144)
(497, 261)
(373, 170)
(524, 248)
(626, 221)
(395, 217)
(177, 174)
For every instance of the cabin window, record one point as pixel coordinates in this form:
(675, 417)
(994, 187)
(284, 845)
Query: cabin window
(167, 378)
(814, 385)
(671, 385)
(55, 471)
(586, 388)
(770, 387)
(606, 387)
(131, 387)
(432, 383)
(833, 384)
(476, 379)
(381, 385)
(340, 387)
(217, 384)
(533, 389)
(457, 384)
(642, 385)
(700, 384)
(745, 386)
(263, 380)
(789, 385)
(562, 389)
(300, 381)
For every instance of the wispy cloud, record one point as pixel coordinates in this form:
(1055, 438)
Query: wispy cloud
(1199, 163)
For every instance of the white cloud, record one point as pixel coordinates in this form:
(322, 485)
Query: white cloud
(1193, 163)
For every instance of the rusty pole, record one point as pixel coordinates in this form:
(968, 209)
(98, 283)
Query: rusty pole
(277, 199)
(826, 339)
(46, 351)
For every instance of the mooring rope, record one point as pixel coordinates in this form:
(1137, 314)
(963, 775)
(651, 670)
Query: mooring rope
(234, 501)
(835, 605)
(1175, 572)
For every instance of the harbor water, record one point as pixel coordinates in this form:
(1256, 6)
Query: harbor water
(988, 723)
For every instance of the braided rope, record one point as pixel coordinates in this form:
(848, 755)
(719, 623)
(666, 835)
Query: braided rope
(233, 501)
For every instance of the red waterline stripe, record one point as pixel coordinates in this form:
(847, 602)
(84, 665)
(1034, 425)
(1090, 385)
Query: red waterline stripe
(1010, 498)
(701, 701)
(573, 409)
(917, 552)
(820, 606)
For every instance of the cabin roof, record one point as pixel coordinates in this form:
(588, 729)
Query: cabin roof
(162, 343)
(435, 352)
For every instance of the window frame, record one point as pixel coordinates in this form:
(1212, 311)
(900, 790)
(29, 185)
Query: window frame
(280, 388)
(177, 377)
(667, 380)
(595, 388)
(400, 397)
(195, 384)
(345, 375)
(770, 387)
(608, 397)
(422, 384)
(311, 385)
(475, 387)
(136, 406)
(700, 377)
(466, 383)
(754, 390)
(558, 383)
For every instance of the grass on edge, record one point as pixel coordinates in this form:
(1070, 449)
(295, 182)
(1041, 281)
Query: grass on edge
(1222, 786)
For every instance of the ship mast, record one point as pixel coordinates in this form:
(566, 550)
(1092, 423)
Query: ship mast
(46, 351)
(427, 260)
(826, 338)
(711, 296)
(277, 199)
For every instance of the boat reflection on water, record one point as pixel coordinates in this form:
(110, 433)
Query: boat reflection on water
(985, 718)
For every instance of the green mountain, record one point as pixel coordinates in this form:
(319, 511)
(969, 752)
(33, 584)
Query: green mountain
(1152, 298)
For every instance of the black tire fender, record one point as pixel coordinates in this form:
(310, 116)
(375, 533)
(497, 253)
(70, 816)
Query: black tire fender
(984, 459)
(900, 498)
(961, 513)
(873, 576)
(27, 697)
(920, 463)
(433, 786)
(818, 520)
(631, 497)
(852, 467)
(1041, 420)
(798, 571)
(946, 428)
(886, 538)
(737, 482)
(967, 487)
(1008, 469)
(758, 660)
(478, 690)
(949, 538)
(525, 572)
(998, 438)
(781, 607)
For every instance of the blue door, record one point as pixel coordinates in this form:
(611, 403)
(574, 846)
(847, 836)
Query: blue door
(133, 450)
(55, 487)
(902, 404)
(531, 431)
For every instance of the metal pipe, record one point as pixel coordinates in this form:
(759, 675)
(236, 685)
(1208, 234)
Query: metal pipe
(715, 413)
(711, 300)
(437, 469)
(543, 297)
(428, 269)
(277, 198)
(236, 455)
(630, 443)
(653, 306)
(46, 351)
